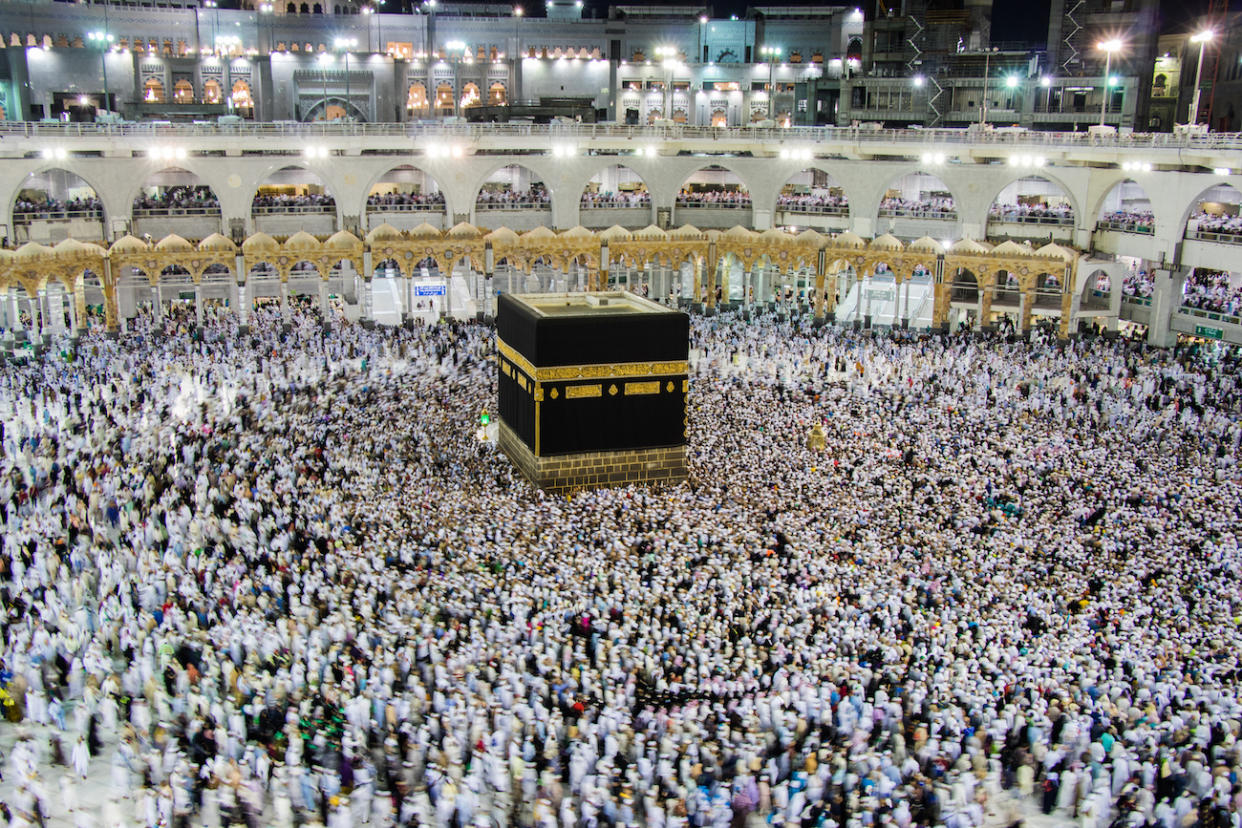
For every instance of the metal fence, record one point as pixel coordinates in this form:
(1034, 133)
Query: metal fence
(414, 131)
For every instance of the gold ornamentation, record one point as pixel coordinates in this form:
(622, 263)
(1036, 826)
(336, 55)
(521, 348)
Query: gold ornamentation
(555, 393)
(579, 392)
(617, 370)
(669, 387)
(612, 390)
(637, 388)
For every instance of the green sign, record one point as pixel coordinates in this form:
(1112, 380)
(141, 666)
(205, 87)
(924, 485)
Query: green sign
(1209, 333)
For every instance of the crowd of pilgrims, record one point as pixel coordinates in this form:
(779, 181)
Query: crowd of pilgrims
(1212, 290)
(817, 201)
(1031, 212)
(274, 577)
(536, 196)
(939, 207)
(634, 198)
(199, 197)
(294, 201)
(1130, 221)
(407, 201)
(1220, 223)
(713, 198)
(51, 208)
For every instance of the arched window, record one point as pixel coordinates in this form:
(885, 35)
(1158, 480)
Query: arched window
(416, 101)
(470, 95)
(153, 91)
(496, 95)
(183, 92)
(213, 93)
(444, 99)
(241, 95)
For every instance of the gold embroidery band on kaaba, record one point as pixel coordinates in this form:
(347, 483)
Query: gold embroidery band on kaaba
(578, 392)
(633, 388)
(615, 370)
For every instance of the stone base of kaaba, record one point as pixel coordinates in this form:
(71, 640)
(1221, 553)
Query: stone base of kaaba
(595, 469)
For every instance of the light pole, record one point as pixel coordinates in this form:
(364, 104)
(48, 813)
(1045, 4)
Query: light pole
(324, 57)
(770, 54)
(1107, 47)
(104, 40)
(1202, 38)
(456, 50)
(265, 10)
(666, 53)
(1011, 83)
(987, 69)
(345, 44)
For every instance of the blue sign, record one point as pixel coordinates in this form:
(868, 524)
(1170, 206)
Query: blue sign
(429, 290)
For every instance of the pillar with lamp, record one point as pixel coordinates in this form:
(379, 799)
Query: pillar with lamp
(345, 45)
(770, 55)
(1109, 48)
(667, 56)
(104, 41)
(1203, 38)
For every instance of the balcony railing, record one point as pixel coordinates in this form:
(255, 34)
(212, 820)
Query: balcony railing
(58, 215)
(916, 137)
(713, 205)
(1144, 228)
(406, 208)
(286, 209)
(903, 212)
(1055, 221)
(513, 205)
(1220, 238)
(815, 209)
(166, 212)
(614, 205)
(1212, 315)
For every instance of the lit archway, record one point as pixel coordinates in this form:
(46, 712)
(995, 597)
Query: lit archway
(405, 189)
(1215, 216)
(1032, 200)
(444, 99)
(713, 187)
(813, 192)
(183, 92)
(213, 92)
(153, 91)
(513, 188)
(497, 95)
(1126, 208)
(471, 96)
(919, 195)
(416, 99)
(50, 203)
(615, 188)
(241, 96)
(174, 192)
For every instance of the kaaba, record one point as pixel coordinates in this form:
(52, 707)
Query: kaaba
(592, 388)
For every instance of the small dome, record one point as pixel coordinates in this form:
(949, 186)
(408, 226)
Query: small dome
(1056, 251)
(650, 233)
(302, 242)
(172, 243)
(969, 246)
(385, 232)
(849, 239)
(426, 231)
(740, 233)
(886, 242)
(577, 232)
(501, 235)
(464, 230)
(69, 246)
(260, 243)
(217, 243)
(1011, 248)
(31, 250)
(778, 236)
(343, 240)
(811, 239)
(539, 233)
(128, 244)
(686, 231)
(926, 244)
(615, 233)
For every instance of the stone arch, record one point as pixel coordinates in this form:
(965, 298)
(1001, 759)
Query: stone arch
(716, 167)
(497, 93)
(51, 172)
(267, 182)
(491, 176)
(1097, 281)
(417, 99)
(1121, 192)
(833, 199)
(428, 185)
(1222, 193)
(164, 179)
(471, 95)
(918, 178)
(965, 286)
(1018, 179)
(626, 180)
(333, 108)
